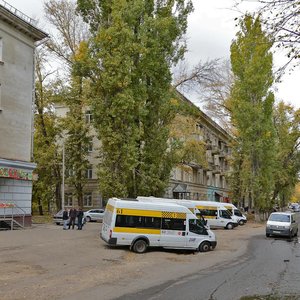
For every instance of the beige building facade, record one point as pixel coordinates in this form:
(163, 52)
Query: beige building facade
(186, 182)
(207, 183)
(18, 37)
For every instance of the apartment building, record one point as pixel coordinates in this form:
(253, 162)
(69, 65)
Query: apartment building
(197, 182)
(18, 37)
(189, 182)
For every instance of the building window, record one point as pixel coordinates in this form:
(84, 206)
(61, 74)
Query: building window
(68, 200)
(90, 146)
(88, 117)
(87, 199)
(89, 173)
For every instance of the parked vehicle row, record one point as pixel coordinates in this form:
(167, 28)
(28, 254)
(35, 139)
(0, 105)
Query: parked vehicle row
(168, 223)
(144, 224)
(159, 222)
(216, 214)
(88, 216)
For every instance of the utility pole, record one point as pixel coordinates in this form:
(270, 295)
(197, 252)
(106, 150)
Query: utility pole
(63, 178)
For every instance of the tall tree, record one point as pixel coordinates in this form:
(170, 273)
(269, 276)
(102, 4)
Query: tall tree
(76, 136)
(286, 120)
(134, 45)
(70, 33)
(281, 20)
(46, 189)
(251, 106)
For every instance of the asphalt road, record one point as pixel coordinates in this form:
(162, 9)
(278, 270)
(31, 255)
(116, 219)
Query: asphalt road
(270, 268)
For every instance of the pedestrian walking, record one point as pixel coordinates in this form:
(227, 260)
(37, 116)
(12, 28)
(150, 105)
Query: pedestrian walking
(79, 218)
(72, 216)
(65, 218)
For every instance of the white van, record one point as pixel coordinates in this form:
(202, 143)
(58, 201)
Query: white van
(189, 204)
(141, 225)
(282, 223)
(216, 214)
(241, 218)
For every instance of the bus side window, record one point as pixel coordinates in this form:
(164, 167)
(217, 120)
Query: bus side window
(173, 224)
(166, 224)
(152, 222)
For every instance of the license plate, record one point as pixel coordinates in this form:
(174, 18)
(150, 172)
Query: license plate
(276, 231)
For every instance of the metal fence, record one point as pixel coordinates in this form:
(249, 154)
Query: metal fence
(18, 13)
(12, 214)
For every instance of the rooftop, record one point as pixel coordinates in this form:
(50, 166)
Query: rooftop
(18, 13)
(20, 21)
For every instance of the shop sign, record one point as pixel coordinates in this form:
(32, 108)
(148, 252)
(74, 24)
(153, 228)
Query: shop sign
(7, 205)
(15, 174)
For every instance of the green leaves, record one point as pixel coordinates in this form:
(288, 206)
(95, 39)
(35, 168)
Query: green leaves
(133, 47)
(251, 106)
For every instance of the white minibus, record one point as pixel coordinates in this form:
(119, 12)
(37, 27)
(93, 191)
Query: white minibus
(241, 218)
(189, 204)
(141, 225)
(217, 215)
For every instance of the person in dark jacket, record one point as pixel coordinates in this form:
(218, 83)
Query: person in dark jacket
(72, 216)
(79, 218)
(65, 218)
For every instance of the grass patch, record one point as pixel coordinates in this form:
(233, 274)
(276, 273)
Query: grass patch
(45, 219)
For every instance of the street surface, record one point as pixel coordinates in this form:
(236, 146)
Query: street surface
(46, 262)
(270, 267)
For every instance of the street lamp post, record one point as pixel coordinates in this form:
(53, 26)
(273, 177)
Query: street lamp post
(63, 178)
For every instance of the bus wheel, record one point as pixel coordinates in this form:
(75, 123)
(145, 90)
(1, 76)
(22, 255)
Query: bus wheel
(204, 247)
(140, 246)
(229, 226)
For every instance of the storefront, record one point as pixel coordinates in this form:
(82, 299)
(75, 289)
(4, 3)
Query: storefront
(16, 188)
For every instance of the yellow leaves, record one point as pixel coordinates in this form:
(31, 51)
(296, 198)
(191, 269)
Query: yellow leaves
(174, 102)
(296, 195)
(82, 52)
(183, 126)
(268, 134)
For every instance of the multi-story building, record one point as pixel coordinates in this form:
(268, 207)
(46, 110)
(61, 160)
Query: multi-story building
(18, 35)
(189, 182)
(196, 182)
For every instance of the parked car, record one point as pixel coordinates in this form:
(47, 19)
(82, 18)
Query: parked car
(94, 215)
(58, 218)
(282, 223)
(295, 207)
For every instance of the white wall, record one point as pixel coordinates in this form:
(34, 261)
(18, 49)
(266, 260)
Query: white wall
(16, 79)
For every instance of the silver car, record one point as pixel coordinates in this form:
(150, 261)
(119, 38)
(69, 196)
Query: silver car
(58, 219)
(282, 223)
(94, 215)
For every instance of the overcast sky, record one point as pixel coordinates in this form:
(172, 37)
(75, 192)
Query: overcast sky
(211, 30)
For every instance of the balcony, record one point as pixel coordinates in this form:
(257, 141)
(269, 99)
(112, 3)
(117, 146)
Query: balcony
(215, 150)
(216, 169)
